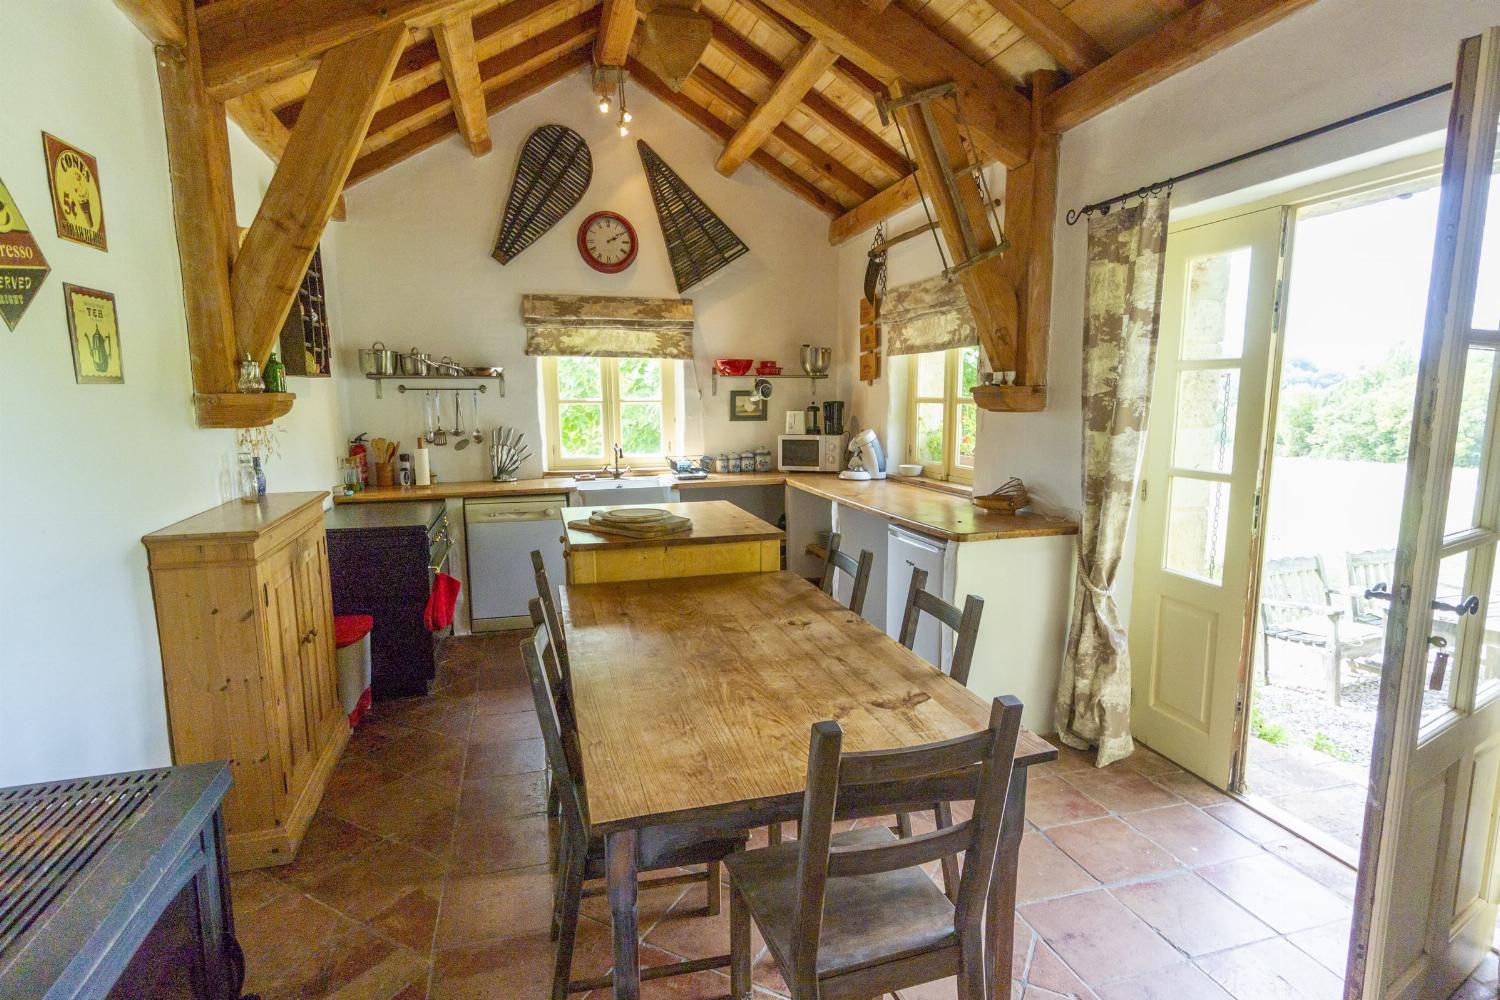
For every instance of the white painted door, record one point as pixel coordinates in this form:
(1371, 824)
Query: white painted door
(1198, 497)
(1425, 909)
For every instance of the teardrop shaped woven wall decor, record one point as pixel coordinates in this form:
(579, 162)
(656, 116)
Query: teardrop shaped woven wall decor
(552, 174)
(698, 241)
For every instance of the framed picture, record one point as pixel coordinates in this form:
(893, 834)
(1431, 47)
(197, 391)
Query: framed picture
(746, 405)
(94, 330)
(77, 203)
(22, 266)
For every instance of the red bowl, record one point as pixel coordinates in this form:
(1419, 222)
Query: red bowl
(768, 368)
(733, 366)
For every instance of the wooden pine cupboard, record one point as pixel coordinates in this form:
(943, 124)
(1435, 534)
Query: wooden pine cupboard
(245, 620)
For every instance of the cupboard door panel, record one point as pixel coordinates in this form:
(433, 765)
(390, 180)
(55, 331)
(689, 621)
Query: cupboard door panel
(285, 638)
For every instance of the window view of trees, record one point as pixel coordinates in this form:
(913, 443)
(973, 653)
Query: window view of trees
(944, 420)
(603, 400)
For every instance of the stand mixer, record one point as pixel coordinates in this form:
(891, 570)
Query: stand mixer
(866, 457)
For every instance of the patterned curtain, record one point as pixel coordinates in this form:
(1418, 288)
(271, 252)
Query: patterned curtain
(1123, 313)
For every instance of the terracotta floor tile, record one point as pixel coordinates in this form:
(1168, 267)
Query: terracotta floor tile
(1191, 787)
(687, 931)
(1310, 861)
(519, 968)
(492, 760)
(1148, 762)
(503, 796)
(1048, 972)
(1045, 871)
(250, 890)
(392, 887)
(1098, 937)
(1272, 970)
(1191, 914)
(1191, 837)
(1328, 944)
(494, 845)
(1068, 759)
(495, 907)
(1276, 893)
(1247, 822)
(1110, 851)
(1120, 790)
(1180, 982)
(510, 726)
(443, 715)
(1050, 801)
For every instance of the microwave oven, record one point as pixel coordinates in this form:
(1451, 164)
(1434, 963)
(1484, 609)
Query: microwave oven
(810, 452)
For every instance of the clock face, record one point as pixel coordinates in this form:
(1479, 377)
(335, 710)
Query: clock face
(607, 242)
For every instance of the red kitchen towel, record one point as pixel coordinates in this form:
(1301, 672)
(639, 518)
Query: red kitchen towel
(441, 602)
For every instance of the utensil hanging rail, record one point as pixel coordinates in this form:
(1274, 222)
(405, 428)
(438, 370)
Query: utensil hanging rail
(381, 380)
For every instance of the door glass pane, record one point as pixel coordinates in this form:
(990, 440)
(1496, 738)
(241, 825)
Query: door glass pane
(641, 428)
(1489, 649)
(640, 378)
(929, 443)
(1487, 292)
(1197, 520)
(930, 372)
(1473, 416)
(1207, 401)
(1443, 659)
(578, 378)
(1218, 293)
(968, 433)
(581, 429)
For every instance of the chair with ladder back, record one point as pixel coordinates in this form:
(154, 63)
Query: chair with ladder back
(858, 571)
(853, 915)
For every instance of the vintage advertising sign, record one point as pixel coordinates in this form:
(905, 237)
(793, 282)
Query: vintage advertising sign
(22, 266)
(95, 332)
(76, 201)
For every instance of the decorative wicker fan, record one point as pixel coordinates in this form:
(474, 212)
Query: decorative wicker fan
(553, 173)
(698, 241)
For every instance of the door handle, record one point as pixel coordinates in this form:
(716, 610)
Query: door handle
(1468, 606)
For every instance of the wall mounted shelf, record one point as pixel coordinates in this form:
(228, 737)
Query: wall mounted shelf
(437, 383)
(241, 409)
(1011, 398)
(751, 375)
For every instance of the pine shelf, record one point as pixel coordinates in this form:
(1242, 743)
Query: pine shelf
(241, 409)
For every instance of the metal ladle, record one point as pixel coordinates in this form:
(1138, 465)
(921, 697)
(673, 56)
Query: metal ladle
(461, 438)
(429, 435)
(477, 437)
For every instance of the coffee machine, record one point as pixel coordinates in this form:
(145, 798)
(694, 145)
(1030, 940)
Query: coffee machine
(833, 417)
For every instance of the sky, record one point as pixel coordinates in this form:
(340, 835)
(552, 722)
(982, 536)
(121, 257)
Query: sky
(1359, 277)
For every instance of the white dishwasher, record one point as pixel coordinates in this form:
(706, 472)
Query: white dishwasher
(501, 534)
(907, 551)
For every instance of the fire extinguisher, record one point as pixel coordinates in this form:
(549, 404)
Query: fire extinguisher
(357, 451)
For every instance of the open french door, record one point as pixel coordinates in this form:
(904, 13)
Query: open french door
(1200, 486)
(1428, 883)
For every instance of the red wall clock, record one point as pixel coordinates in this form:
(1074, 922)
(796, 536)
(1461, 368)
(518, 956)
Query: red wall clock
(607, 242)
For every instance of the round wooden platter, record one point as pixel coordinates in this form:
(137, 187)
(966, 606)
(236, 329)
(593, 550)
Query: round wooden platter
(635, 516)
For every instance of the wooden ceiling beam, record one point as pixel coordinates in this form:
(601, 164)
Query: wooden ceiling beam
(247, 43)
(809, 152)
(896, 45)
(260, 123)
(1185, 41)
(164, 22)
(706, 120)
(495, 101)
(1073, 48)
(306, 185)
(882, 205)
(616, 29)
(806, 70)
(455, 45)
(830, 115)
(855, 76)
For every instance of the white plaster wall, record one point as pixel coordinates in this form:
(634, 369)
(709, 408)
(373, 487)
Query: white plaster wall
(86, 469)
(414, 268)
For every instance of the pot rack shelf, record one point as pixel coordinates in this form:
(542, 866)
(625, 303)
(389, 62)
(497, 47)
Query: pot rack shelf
(438, 380)
(752, 375)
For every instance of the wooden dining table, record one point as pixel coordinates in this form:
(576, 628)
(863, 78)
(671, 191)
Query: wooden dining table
(694, 699)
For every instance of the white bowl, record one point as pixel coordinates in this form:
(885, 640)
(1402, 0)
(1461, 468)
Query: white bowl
(909, 470)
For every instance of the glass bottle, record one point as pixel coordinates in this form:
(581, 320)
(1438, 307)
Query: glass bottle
(275, 374)
(250, 380)
(246, 477)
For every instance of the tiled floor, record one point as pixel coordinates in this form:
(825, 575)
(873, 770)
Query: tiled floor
(424, 875)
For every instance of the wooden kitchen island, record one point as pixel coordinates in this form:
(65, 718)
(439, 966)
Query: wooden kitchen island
(723, 539)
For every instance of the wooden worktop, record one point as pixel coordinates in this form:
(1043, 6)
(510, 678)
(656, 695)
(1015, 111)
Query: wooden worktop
(713, 521)
(924, 509)
(237, 520)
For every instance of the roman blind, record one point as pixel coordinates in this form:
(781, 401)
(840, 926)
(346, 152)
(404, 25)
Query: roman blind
(608, 326)
(928, 315)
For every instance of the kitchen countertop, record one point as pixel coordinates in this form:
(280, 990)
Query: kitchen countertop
(237, 520)
(713, 521)
(412, 514)
(924, 509)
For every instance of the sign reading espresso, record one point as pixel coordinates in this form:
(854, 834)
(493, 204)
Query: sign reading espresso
(22, 266)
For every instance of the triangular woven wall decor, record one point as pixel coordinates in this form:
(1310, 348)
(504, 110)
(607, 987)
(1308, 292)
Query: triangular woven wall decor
(551, 176)
(698, 241)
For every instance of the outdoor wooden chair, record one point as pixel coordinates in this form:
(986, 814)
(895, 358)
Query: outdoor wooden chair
(858, 571)
(1365, 570)
(854, 915)
(1298, 606)
(667, 847)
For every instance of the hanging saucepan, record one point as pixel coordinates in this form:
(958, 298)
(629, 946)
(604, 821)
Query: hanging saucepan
(376, 360)
(414, 363)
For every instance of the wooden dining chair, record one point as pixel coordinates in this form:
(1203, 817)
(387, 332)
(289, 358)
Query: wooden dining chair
(965, 623)
(555, 634)
(854, 915)
(858, 571)
(666, 847)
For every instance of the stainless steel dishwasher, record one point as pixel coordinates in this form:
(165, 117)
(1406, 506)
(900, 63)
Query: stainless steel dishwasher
(501, 534)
